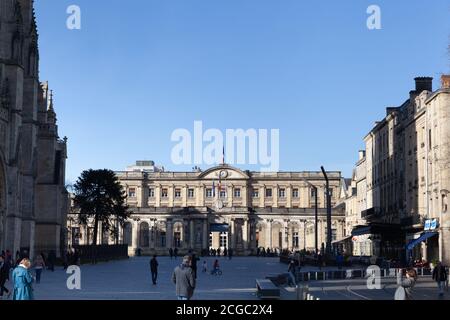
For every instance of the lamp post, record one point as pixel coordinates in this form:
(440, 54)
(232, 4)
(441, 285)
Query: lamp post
(329, 234)
(316, 219)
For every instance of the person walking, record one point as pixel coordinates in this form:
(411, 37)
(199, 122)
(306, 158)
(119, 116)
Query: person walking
(5, 266)
(184, 280)
(194, 261)
(154, 269)
(216, 267)
(39, 265)
(440, 276)
(175, 253)
(22, 281)
(205, 266)
(171, 253)
(230, 253)
(406, 285)
(51, 261)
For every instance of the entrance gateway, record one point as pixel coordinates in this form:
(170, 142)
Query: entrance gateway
(218, 236)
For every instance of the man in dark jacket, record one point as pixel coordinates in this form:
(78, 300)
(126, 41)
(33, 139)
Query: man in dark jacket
(184, 280)
(154, 269)
(5, 267)
(440, 276)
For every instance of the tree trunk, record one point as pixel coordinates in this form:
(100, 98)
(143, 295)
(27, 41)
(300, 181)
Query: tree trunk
(94, 242)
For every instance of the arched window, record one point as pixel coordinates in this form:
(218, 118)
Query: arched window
(144, 235)
(127, 234)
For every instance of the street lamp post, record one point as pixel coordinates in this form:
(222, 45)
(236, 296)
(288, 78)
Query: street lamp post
(329, 234)
(316, 218)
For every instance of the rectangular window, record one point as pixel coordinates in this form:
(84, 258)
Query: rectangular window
(237, 193)
(191, 193)
(151, 193)
(209, 193)
(268, 193)
(313, 192)
(132, 192)
(255, 193)
(164, 193)
(282, 193)
(295, 193)
(223, 194)
(177, 193)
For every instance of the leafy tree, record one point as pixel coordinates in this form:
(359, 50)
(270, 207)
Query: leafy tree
(99, 195)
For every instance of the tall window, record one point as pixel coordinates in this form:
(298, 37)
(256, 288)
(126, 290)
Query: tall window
(295, 241)
(313, 192)
(144, 235)
(162, 239)
(282, 193)
(191, 193)
(132, 192)
(294, 193)
(237, 193)
(223, 239)
(209, 193)
(223, 194)
(177, 193)
(75, 236)
(268, 193)
(151, 193)
(255, 193)
(164, 193)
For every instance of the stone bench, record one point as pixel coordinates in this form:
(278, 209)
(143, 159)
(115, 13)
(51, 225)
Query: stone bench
(266, 289)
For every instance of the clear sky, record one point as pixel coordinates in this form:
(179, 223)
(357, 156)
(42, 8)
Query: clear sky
(139, 69)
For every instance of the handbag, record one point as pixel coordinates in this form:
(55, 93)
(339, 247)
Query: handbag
(400, 293)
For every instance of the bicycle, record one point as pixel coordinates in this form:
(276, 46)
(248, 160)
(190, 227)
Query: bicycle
(216, 272)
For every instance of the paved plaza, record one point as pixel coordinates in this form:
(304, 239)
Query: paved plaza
(130, 280)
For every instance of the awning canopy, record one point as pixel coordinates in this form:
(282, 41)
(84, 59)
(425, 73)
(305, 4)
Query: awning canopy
(421, 239)
(342, 240)
(378, 228)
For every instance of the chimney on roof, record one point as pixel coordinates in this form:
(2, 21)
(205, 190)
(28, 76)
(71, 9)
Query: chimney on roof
(424, 84)
(445, 81)
(361, 154)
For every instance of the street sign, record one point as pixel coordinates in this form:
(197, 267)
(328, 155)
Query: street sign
(431, 224)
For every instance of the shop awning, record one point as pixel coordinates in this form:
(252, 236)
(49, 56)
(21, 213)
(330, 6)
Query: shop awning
(421, 239)
(341, 240)
(387, 230)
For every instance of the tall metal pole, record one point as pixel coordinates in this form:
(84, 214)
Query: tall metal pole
(329, 234)
(316, 220)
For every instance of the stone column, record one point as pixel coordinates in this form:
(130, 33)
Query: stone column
(230, 196)
(205, 237)
(171, 195)
(169, 234)
(191, 234)
(231, 236)
(262, 196)
(184, 195)
(134, 235)
(275, 196)
(268, 242)
(289, 196)
(245, 234)
(158, 195)
(245, 197)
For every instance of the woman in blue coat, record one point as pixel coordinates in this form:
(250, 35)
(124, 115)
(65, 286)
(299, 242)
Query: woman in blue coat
(22, 281)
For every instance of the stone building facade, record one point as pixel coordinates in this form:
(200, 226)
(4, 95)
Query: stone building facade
(33, 198)
(221, 207)
(407, 177)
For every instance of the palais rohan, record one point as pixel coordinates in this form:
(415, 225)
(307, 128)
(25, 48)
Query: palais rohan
(222, 207)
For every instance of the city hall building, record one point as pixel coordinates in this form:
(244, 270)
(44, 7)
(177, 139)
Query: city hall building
(222, 207)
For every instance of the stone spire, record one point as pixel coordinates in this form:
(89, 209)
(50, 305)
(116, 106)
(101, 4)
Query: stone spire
(51, 115)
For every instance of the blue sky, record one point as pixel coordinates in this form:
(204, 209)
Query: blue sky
(139, 69)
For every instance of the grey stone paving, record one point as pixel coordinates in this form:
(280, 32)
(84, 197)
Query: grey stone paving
(130, 280)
